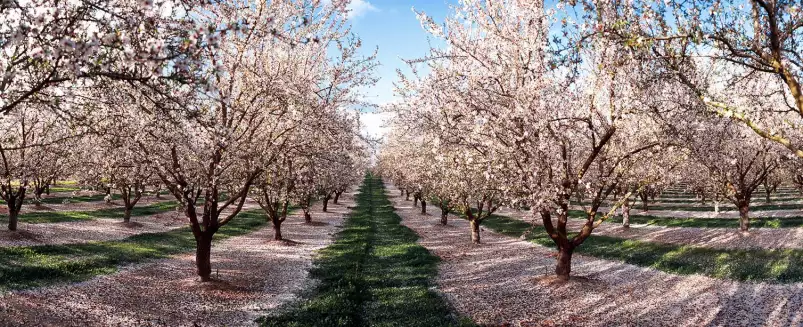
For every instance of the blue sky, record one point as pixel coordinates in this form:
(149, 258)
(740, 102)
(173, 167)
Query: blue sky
(391, 26)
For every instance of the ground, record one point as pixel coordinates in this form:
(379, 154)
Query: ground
(375, 260)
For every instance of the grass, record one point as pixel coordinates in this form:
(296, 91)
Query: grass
(774, 266)
(41, 217)
(35, 266)
(374, 274)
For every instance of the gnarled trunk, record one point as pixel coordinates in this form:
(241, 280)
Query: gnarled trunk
(203, 256)
(475, 231)
(564, 266)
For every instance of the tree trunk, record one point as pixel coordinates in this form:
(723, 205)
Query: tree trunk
(13, 219)
(407, 195)
(744, 220)
(423, 207)
(337, 196)
(277, 230)
(564, 266)
(415, 200)
(475, 231)
(325, 203)
(203, 256)
(307, 216)
(702, 198)
(444, 215)
(769, 200)
(626, 214)
(716, 207)
(127, 215)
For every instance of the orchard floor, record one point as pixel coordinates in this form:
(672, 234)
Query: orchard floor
(506, 281)
(252, 275)
(723, 238)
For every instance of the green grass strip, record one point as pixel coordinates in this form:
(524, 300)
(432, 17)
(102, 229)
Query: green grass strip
(374, 274)
(42, 217)
(35, 266)
(774, 266)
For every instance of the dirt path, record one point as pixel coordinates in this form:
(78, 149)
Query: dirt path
(508, 281)
(255, 275)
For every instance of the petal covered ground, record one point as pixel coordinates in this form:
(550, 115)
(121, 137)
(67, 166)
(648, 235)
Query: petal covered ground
(508, 281)
(253, 275)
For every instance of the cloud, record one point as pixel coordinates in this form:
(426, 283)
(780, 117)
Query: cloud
(358, 8)
(373, 123)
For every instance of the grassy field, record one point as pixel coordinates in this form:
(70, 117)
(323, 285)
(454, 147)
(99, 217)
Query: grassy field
(33, 266)
(42, 217)
(775, 266)
(373, 275)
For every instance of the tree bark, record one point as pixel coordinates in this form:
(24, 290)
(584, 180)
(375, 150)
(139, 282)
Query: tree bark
(307, 216)
(407, 195)
(337, 196)
(626, 214)
(415, 200)
(769, 200)
(203, 256)
(277, 230)
(475, 231)
(13, 219)
(444, 215)
(744, 219)
(127, 214)
(423, 207)
(564, 267)
(326, 203)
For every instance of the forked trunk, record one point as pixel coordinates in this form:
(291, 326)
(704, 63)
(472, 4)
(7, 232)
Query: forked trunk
(337, 196)
(203, 256)
(475, 231)
(423, 207)
(564, 267)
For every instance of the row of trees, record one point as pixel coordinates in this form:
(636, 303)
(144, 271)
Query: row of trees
(216, 102)
(593, 103)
